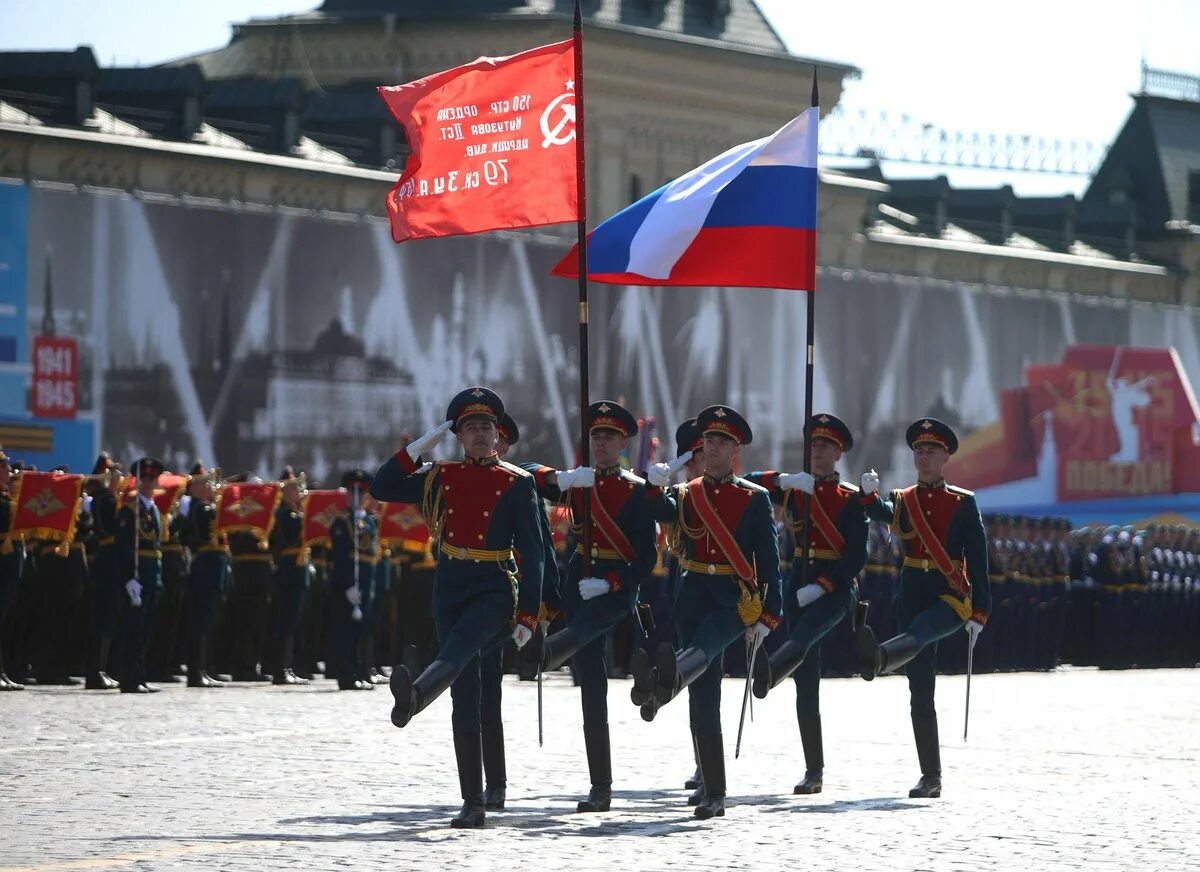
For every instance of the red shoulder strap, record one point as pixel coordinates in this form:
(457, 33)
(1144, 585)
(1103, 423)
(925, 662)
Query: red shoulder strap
(720, 533)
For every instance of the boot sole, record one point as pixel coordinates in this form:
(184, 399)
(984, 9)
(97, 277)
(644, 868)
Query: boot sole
(708, 815)
(586, 807)
(401, 714)
(665, 664)
(867, 653)
(808, 791)
(643, 677)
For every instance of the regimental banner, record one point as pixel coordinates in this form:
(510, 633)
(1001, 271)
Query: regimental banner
(167, 495)
(402, 525)
(493, 146)
(319, 508)
(46, 506)
(55, 391)
(248, 508)
(1105, 422)
(559, 517)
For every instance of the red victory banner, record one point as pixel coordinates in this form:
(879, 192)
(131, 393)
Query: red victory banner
(46, 506)
(493, 146)
(402, 525)
(55, 377)
(320, 507)
(248, 508)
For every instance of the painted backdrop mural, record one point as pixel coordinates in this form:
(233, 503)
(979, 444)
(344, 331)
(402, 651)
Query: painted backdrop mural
(254, 339)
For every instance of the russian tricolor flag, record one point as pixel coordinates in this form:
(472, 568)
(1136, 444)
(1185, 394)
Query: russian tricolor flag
(747, 218)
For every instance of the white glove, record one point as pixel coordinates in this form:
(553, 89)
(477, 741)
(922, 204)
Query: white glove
(580, 476)
(756, 632)
(590, 588)
(356, 614)
(680, 462)
(658, 475)
(429, 440)
(185, 505)
(354, 595)
(974, 628)
(521, 634)
(134, 588)
(809, 594)
(870, 483)
(800, 481)
(424, 467)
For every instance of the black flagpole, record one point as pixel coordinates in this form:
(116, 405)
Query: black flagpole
(581, 229)
(810, 342)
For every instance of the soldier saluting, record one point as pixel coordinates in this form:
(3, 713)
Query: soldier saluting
(729, 585)
(943, 585)
(479, 509)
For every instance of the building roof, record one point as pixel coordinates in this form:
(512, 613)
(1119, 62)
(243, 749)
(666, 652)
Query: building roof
(732, 21)
(1150, 165)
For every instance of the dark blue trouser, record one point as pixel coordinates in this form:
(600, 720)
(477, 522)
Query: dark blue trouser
(706, 617)
(289, 601)
(107, 592)
(136, 624)
(592, 620)
(807, 627)
(921, 613)
(473, 613)
(491, 674)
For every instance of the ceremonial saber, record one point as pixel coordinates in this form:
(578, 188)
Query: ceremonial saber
(970, 664)
(539, 685)
(745, 698)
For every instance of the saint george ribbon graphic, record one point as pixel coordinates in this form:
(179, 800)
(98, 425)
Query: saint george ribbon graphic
(492, 146)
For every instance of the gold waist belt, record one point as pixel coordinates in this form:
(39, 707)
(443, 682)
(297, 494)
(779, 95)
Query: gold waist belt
(252, 558)
(149, 552)
(291, 552)
(107, 540)
(602, 553)
(476, 554)
(927, 564)
(209, 549)
(707, 568)
(818, 553)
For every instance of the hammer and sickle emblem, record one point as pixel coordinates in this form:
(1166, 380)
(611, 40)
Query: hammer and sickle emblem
(555, 135)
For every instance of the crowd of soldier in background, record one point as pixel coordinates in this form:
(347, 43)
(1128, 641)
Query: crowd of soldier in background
(1113, 597)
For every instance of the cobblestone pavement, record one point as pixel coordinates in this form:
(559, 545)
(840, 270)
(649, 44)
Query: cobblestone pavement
(1070, 770)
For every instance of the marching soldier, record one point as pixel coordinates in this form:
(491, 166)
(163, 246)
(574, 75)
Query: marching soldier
(106, 577)
(479, 509)
(349, 577)
(12, 562)
(941, 529)
(60, 578)
(837, 551)
(624, 549)
(292, 573)
(369, 555)
(162, 657)
(210, 571)
(491, 663)
(729, 586)
(139, 538)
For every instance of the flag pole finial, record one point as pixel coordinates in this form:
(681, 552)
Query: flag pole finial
(578, 17)
(816, 100)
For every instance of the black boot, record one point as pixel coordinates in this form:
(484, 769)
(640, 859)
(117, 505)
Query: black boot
(599, 755)
(814, 755)
(560, 648)
(97, 678)
(925, 731)
(285, 674)
(643, 677)
(696, 782)
(712, 766)
(413, 696)
(493, 767)
(676, 671)
(771, 671)
(468, 751)
(875, 659)
(7, 683)
(198, 669)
